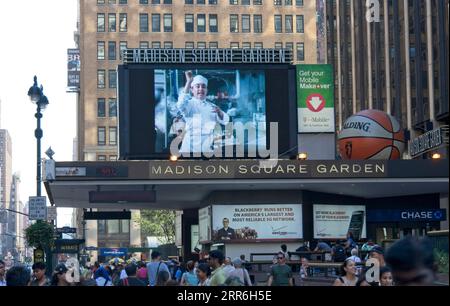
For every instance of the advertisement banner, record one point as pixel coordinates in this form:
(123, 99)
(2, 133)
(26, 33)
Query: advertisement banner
(315, 99)
(250, 222)
(115, 252)
(73, 68)
(335, 221)
(204, 224)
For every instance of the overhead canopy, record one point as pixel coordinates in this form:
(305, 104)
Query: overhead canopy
(196, 183)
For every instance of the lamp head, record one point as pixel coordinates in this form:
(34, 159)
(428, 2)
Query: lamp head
(35, 92)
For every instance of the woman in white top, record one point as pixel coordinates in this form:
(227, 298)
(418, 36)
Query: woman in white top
(348, 274)
(202, 272)
(241, 272)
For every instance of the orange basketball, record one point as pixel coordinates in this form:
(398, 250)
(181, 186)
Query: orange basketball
(371, 134)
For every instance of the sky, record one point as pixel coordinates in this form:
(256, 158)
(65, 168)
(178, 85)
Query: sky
(34, 38)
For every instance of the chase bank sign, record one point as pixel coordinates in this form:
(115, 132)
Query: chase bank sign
(406, 215)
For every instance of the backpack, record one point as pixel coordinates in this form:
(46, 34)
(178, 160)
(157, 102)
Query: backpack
(339, 254)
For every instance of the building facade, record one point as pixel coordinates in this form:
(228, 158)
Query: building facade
(392, 56)
(106, 27)
(6, 179)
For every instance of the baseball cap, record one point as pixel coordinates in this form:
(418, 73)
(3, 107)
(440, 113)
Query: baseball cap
(61, 268)
(377, 249)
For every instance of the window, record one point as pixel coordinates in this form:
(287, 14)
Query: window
(213, 44)
(122, 46)
(287, 2)
(277, 2)
(288, 27)
(200, 1)
(188, 1)
(101, 78)
(201, 23)
(156, 23)
(234, 2)
(168, 45)
(234, 24)
(112, 50)
(189, 23)
(299, 2)
(113, 157)
(112, 78)
(213, 23)
(101, 157)
(101, 136)
(257, 2)
(123, 1)
(101, 108)
(113, 226)
(125, 226)
(100, 1)
(123, 27)
(290, 46)
(189, 45)
(246, 45)
(300, 51)
(143, 1)
(278, 25)
(100, 50)
(245, 2)
(300, 23)
(258, 45)
(167, 1)
(112, 107)
(143, 22)
(257, 23)
(156, 44)
(234, 45)
(156, 1)
(143, 44)
(167, 22)
(245, 23)
(113, 136)
(212, 2)
(111, 22)
(100, 22)
(112, 1)
(201, 44)
(278, 45)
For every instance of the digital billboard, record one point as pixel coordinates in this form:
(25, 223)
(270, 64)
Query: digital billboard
(206, 111)
(257, 222)
(335, 221)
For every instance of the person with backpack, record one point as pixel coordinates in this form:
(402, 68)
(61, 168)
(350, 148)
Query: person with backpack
(154, 267)
(240, 272)
(189, 277)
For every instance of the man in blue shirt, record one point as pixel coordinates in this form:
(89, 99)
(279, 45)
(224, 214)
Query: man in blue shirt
(154, 267)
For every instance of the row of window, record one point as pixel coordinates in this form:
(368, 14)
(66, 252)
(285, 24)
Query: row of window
(101, 107)
(237, 25)
(106, 227)
(101, 136)
(102, 157)
(212, 2)
(101, 78)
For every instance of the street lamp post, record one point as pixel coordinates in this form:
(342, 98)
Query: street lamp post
(37, 96)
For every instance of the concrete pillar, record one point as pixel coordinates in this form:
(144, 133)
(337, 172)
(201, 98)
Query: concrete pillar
(189, 217)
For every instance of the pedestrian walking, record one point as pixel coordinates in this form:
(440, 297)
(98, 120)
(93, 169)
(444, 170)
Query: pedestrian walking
(17, 276)
(189, 278)
(348, 274)
(59, 276)
(203, 273)
(102, 277)
(142, 272)
(240, 272)
(39, 278)
(131, 279)
(2, 273)
(227, 267)
(280, 273)
(154, 267)
(386, 277)
(218, 276)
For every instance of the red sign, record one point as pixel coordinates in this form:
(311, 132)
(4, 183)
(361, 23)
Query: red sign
(315, 102)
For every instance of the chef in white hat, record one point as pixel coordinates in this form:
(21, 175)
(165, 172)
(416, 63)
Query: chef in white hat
(201, 116)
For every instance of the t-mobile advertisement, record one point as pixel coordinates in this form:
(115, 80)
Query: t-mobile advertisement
(208, 110)
(252, 222)
(335, 221)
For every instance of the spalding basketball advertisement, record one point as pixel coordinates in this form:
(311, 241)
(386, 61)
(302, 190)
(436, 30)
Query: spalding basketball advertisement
(371, 134)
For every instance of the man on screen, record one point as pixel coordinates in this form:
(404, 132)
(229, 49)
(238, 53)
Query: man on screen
(201, 116)
(226, 232)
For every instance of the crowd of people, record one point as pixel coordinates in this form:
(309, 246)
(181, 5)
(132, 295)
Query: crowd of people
(409, 261)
